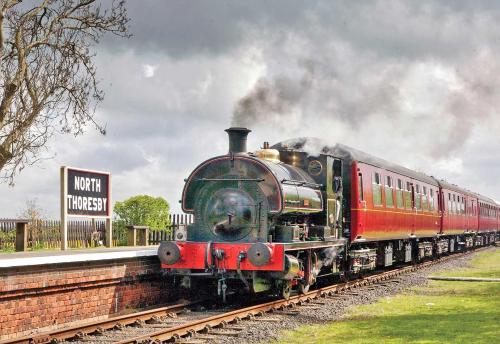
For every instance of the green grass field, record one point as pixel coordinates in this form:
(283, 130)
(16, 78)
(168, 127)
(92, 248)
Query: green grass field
(442, 312)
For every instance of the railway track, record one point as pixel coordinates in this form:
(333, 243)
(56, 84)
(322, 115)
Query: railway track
(182, 322)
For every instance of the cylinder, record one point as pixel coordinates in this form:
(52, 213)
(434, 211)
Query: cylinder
(237, 139)
(292, 267)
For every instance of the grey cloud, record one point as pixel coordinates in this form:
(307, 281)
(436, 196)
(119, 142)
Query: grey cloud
(406, 28)
(338, 70)
(179, 28)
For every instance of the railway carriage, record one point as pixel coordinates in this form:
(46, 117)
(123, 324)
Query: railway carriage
(285, 216)
(459, 218)
(390, 206)
(489, 223)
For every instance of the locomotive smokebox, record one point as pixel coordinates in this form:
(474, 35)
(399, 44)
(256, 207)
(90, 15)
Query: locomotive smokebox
(237, 139)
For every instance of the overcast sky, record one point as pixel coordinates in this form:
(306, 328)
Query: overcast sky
(414, 82)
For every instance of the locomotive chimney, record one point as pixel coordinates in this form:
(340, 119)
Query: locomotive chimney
(237, 139)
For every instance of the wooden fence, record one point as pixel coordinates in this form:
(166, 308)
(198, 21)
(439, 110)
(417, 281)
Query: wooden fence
(46, 234)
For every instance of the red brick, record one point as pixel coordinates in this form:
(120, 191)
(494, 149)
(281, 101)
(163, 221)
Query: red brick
(27, 312)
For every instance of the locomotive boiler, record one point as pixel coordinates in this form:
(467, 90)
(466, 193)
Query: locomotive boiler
(261, 221)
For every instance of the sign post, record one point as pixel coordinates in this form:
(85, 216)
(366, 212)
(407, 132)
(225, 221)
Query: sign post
(85, 193)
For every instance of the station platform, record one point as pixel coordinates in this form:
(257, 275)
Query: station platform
(50, 289)
(21, 259)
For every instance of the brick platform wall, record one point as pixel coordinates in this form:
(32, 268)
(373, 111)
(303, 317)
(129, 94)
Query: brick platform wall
(49, 296)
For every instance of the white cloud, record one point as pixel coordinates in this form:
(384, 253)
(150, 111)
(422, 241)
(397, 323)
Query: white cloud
(149, 70)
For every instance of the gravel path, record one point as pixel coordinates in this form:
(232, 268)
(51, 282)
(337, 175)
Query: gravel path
(333, 308)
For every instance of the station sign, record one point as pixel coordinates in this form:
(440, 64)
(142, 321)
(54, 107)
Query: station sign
(85, 193)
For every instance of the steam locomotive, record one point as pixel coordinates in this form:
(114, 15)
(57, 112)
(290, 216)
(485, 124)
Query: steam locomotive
(284, 216)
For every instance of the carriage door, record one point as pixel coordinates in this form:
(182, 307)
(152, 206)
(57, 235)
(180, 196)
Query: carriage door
(413, 209)
(361, 202)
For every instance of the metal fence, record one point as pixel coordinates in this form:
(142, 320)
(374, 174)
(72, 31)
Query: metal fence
(46, 234)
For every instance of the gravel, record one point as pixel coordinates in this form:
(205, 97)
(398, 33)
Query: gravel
(334, 308)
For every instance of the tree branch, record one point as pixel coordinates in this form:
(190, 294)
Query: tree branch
(48, 79)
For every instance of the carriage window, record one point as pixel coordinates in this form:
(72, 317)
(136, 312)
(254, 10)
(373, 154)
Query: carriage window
(389, 198)
(408, 196)
(417, 197)
(425, 204)
(431, 199)
(449, 204)
(377, 189)
(399, 194)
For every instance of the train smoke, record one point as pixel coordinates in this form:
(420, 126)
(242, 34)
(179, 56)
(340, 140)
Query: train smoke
(323, 93)
(328, 256)
(377, 95)
(276, 97)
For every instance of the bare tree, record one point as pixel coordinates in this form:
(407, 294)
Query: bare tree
(34, 213)
(48, 79)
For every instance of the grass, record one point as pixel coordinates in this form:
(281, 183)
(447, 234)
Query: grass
(7, 250)
(441, 312)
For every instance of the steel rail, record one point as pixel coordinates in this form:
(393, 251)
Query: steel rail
(220, 320)
(98, 326)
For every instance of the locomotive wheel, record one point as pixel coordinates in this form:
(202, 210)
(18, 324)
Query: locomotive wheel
(304, 288)
(285, 290)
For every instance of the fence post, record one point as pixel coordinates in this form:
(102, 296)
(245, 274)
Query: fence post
(21, 235)
(133, 235)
